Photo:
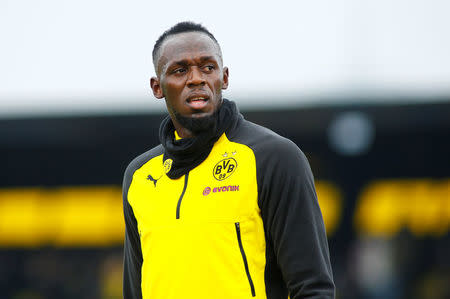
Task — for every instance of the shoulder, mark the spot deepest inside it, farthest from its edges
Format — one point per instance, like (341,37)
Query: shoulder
(140,160)
(279,161)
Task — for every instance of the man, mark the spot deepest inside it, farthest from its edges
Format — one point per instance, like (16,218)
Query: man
(222,208)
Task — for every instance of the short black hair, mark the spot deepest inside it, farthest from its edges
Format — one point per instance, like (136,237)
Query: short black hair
(180,27)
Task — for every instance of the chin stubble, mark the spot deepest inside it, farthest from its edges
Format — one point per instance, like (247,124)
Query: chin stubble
(197,125)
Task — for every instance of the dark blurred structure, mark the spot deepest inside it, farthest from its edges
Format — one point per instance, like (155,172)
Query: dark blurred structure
(388,215)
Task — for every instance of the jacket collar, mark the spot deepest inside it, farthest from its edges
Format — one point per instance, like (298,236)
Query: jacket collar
(183,155)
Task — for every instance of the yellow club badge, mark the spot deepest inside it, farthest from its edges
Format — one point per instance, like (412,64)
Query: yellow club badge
(224,169)
(168,165)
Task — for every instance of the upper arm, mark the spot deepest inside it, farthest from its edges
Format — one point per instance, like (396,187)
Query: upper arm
(132,246)
(293,220)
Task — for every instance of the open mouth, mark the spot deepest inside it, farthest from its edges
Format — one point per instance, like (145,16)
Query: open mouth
(197,102)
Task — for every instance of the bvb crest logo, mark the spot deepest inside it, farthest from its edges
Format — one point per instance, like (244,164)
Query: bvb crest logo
(168,165)
(224,169)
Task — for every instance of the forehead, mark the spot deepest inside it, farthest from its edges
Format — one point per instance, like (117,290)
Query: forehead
(188,45)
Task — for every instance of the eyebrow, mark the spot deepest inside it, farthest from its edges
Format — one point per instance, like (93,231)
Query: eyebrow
(185,62)
(206,58)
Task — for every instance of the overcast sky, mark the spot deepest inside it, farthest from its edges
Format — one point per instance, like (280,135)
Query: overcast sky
(85,56)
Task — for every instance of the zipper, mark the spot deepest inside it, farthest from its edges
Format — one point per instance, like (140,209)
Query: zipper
(182,194)
(244,258)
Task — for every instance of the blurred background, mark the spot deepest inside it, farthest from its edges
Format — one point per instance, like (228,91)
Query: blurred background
(362,87)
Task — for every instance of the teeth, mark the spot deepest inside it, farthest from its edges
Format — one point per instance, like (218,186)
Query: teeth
(198,99)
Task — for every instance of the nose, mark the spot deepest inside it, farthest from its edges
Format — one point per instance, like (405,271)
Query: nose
(195,77)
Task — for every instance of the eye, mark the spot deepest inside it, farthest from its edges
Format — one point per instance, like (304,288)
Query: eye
(179,71)
(209,67)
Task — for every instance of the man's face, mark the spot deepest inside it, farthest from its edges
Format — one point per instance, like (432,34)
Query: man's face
(190,76)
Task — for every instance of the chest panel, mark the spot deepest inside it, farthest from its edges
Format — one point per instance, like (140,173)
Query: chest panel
(222,188)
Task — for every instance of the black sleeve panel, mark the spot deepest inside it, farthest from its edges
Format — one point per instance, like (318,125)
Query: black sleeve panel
(132,262)
(293,224)
(132,247)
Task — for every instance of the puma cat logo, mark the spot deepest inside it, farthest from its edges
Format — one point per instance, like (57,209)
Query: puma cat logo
(150,178)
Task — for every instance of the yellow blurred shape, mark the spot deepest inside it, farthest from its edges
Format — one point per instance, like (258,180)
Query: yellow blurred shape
(420,205)
(330,201)
(71,216)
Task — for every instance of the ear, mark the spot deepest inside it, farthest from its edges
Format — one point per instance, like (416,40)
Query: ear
(225,78)
(156,87)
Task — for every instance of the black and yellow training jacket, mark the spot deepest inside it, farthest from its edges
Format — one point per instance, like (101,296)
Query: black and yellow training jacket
(243,222)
